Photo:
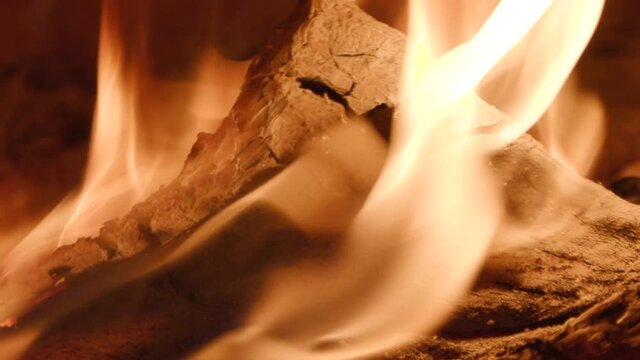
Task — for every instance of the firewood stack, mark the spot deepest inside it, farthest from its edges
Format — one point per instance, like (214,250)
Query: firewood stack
(571,292)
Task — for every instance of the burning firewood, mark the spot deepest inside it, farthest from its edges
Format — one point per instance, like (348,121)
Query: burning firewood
(332,62)
(552,298)
(300,71)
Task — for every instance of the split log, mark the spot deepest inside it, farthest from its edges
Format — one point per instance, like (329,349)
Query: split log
(336,65)
(549,298)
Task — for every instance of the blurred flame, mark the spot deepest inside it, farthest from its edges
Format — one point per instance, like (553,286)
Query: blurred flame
(142,130)
(527,80)
(574,127)
(422,235)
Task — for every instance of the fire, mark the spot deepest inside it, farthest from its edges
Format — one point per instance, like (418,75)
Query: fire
(423,233)
(530,76)
(137,142)
(573,128)
(424,230)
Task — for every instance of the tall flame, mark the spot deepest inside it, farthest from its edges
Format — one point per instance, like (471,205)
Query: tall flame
(529,77)
(142,130)
(573,128)
(426,227)
(422,234)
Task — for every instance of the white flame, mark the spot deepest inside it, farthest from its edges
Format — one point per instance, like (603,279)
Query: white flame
(425,229)
(142,131)
(529,78)
(422,234)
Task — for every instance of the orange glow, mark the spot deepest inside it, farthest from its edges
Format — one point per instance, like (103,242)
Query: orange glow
(428,223)
(142,131)
(413,246)
(574,127)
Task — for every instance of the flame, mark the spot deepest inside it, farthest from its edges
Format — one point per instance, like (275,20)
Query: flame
(529,77)
(142,130)
(429,221)
(573,129)
(422,234)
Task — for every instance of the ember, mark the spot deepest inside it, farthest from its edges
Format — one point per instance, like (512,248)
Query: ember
(365,190)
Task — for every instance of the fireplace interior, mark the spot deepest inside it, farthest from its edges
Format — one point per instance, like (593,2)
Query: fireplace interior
(183,269)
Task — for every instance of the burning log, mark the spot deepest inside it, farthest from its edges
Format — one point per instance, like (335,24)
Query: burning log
(305,82)
(549,298)
(608,329)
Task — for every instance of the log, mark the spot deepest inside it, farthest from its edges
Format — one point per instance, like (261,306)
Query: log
(549,298)
(553,297)
(607,330)
(333,67)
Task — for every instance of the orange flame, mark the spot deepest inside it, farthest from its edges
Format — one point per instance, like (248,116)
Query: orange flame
(427,225)
(142,131)
(573,128)
(429,221)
